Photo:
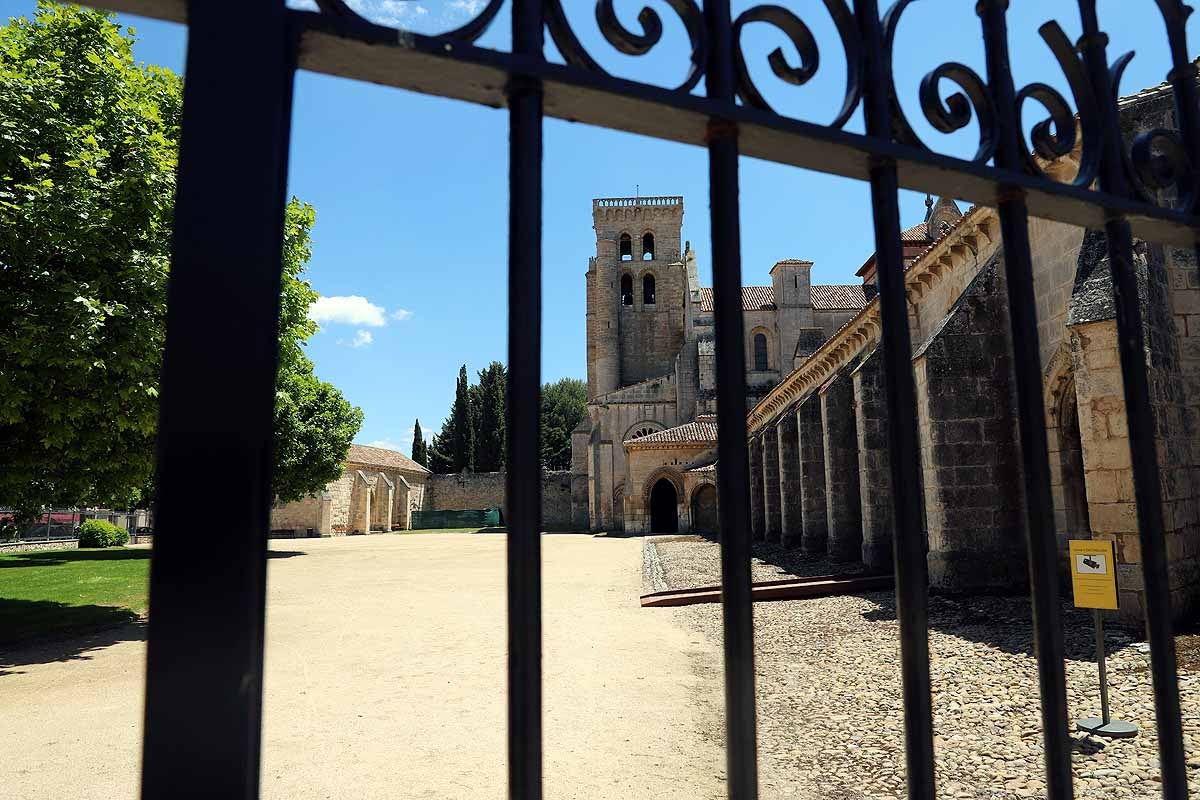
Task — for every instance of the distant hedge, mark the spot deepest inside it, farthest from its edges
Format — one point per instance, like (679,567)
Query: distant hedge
(98,533)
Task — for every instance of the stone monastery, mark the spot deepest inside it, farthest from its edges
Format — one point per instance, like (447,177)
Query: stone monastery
(643,458)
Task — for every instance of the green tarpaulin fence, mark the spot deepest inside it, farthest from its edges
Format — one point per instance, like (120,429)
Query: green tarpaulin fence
(475,518)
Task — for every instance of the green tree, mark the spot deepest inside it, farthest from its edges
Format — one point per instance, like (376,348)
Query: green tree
(461,441)
(420,452)
(489,415)
(564,404)
(88,144)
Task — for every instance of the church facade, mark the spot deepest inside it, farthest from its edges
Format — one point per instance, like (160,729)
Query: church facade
(644,458)
(649,438)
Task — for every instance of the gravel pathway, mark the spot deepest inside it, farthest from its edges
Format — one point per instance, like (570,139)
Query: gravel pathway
(830,714)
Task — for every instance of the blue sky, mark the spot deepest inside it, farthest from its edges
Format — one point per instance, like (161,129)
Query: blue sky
(410,242)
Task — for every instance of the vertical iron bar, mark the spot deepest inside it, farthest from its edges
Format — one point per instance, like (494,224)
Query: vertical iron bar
(912,571)
(523,485)
(1031,415)
(1146,481)
(1183,77)
(204,661)
(733,468)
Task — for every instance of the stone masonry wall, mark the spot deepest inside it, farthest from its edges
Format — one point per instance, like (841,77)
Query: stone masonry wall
(842,504)
(771,517)
(814,538)
(968,443)
(874,463)
(472,490)
(790,511)
(758,520)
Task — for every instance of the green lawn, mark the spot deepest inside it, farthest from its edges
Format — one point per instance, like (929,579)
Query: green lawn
(60,592)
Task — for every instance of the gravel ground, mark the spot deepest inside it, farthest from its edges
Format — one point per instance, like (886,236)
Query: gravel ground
(830,714)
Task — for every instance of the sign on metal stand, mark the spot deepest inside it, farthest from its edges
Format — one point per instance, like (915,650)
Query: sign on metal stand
(1094,582)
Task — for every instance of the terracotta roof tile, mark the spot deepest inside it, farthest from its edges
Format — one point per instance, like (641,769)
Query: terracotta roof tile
(755,298)
(826,297)
(916,234)
(702,431)
(379,457)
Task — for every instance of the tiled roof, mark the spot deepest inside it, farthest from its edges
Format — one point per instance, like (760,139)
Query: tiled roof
(753,298)
(703,430)
(379,457)
(823,297)
(916,234)
(829,297)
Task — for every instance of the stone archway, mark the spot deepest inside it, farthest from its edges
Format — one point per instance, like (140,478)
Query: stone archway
(704,509)
(664,507)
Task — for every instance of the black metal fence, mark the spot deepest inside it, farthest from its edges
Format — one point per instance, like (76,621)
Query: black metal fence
(203,693)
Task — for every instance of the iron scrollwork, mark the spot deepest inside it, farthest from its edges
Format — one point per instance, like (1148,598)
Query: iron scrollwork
(946,116)
(626,41)
(801,37)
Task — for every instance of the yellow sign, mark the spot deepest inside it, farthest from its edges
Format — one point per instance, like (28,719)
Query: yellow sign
(1093,573)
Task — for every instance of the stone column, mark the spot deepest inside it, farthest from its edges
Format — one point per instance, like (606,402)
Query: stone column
(790,519)
(968,445)
(757,512)
(843,508)
(811,441)
(772,523)
(874,463)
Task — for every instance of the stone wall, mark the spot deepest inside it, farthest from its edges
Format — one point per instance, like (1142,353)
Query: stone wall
(969,451)
(467,491)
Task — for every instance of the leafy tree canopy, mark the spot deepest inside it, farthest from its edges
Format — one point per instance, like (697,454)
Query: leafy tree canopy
(88,144)
(564,404)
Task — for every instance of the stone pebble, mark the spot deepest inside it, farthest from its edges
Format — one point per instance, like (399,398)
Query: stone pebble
(830,714)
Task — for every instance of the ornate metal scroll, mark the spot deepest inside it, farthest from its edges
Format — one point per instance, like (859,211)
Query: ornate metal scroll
(625,40)
(949,115)
(806,46)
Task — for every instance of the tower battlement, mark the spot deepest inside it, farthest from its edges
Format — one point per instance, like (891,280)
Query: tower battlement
(617,202)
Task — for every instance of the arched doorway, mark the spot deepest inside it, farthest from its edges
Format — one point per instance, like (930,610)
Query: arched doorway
(664,507)
(704,509)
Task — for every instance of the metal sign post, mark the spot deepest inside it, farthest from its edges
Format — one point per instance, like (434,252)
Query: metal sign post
(1094,581)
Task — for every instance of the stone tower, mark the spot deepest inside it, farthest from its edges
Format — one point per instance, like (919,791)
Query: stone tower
(636,290)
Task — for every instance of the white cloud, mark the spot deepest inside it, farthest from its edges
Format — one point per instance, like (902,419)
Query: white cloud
(349,309)
(401,13)
(401,314)
(362,338)
(388,444)
(471,7)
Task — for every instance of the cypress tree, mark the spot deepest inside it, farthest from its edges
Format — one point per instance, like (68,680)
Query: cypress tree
(419,452)
(489,419)
(461,445)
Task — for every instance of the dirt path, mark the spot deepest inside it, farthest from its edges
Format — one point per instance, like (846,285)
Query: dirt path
(386,678)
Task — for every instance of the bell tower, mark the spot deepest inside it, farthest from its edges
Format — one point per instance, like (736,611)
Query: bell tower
(636,286)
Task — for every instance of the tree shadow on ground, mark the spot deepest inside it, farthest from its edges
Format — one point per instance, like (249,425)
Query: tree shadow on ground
(35,558)
(285,553)
(1004,622)
(78,630)
(1001,621)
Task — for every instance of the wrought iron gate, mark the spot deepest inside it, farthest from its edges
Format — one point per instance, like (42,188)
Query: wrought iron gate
(204,685)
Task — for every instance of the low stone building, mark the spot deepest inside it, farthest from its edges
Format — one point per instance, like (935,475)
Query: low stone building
(672,478)
(377,491)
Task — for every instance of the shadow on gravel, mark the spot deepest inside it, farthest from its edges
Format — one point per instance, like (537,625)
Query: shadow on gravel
(106,626)
(1005,623)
